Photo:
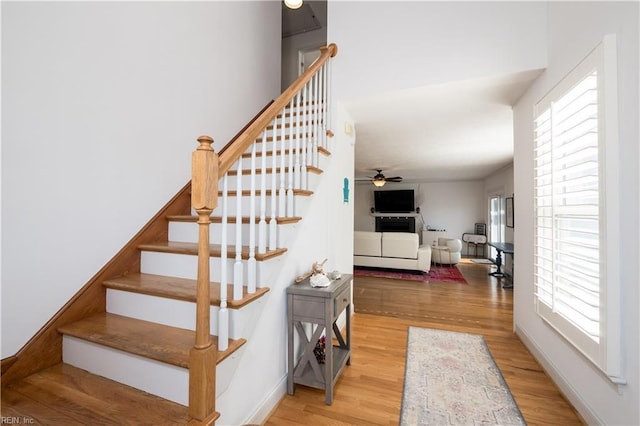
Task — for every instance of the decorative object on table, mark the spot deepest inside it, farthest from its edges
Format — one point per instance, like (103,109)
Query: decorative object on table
(451,378)
(317,276)
(319,350)
(335,275)
(437,274)
(319,280)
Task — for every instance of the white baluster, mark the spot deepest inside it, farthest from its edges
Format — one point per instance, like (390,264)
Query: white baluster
(251,263)
(290,174)
(329,96)
(316,124)
(262,225)
(304,184)
(223,313)
(237,267)
(321,117)
(282,194)
(274,196)
(325,117)
(298,133)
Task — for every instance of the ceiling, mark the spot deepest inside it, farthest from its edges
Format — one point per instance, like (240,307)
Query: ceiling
(449,132)
(312,15)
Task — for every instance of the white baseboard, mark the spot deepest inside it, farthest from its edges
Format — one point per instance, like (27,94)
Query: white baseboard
(266,406)
(563,384)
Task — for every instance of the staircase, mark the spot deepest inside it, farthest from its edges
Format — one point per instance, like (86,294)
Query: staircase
(167,322)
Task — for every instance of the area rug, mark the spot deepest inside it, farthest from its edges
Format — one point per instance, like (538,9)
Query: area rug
(437,274)
(451,379)
(482,261)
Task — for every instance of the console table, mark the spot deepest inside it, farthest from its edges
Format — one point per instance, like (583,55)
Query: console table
(506,248)
(319,307)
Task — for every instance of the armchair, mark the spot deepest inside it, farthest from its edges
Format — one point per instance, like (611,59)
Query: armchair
(447,252)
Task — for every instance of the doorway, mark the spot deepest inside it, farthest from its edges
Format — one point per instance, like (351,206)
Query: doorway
(306,58)
(496,222)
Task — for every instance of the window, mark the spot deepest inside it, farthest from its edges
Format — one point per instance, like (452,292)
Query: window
(575,190)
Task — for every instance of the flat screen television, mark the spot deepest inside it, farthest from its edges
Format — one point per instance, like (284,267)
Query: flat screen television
(394,201)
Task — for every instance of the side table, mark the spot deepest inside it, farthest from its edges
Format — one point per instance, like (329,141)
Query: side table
(319,306)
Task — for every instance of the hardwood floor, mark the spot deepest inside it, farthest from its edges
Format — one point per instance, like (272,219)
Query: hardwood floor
(370,389)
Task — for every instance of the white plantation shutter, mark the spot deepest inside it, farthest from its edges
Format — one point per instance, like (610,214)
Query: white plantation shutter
(575,272)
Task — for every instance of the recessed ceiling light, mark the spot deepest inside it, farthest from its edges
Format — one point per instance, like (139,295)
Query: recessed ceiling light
(293,4)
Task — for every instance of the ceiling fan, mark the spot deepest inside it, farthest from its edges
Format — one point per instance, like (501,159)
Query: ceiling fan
(379,179)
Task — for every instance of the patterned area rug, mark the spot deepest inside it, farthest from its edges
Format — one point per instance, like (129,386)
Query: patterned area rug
(451,379)
(437,274)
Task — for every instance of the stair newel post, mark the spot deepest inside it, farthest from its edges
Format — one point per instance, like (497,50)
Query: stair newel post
(202,357)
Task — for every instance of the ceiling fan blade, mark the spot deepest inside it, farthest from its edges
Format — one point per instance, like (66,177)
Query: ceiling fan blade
(394,179)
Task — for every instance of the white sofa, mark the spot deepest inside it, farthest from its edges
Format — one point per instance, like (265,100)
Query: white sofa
(398,250)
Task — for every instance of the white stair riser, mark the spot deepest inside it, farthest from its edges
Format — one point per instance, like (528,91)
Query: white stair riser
(188,232)
(185,266)
(175,313)
(178,313)
(157,378)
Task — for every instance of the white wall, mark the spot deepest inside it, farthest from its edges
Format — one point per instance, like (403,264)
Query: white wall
(102,103)
(393,45)
(574,29)
(453,206)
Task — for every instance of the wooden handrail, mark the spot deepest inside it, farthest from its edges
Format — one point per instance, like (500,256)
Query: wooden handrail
(244,140)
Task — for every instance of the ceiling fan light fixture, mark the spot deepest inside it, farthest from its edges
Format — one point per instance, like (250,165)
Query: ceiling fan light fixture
(293,4)
(379,182)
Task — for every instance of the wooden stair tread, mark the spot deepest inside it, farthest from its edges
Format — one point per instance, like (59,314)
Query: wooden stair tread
(66,395)
(178,288)
(269,170)
(231,219)
(214,250)
(246,192)
(159,342)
